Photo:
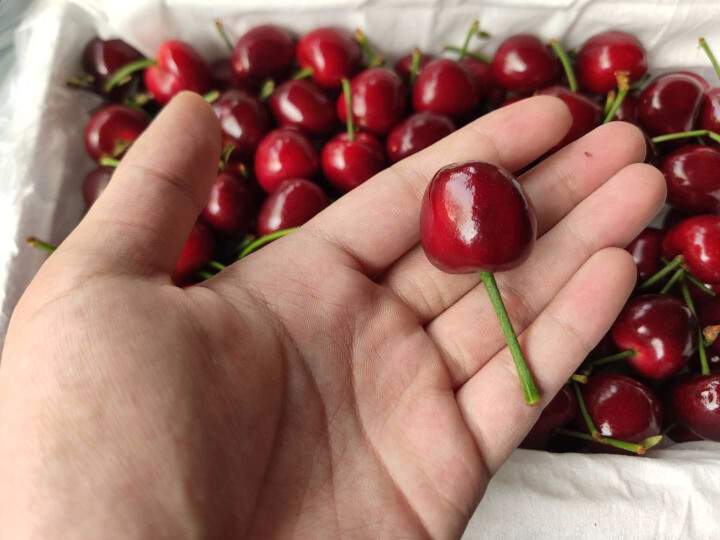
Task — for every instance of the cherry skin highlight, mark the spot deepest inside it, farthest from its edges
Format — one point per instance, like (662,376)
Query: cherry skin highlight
(604,54)
(243,120)
(305,105)
(111,126)
(293,203)
(646,250)
(231,206)
(333,54)
(696,401)
(416,132)
(347,164)
(670,104)
(263,52)
(692,174)
(179,67)
(710,112)
(524,64)
(378,100)
(445,87)
(697,239)
(284,153)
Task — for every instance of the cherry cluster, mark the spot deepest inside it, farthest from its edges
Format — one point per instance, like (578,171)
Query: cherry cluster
(305,121)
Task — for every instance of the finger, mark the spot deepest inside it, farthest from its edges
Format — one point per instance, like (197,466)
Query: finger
(141,222)
(611,217)
(555,344)
(378,221)
(555,186)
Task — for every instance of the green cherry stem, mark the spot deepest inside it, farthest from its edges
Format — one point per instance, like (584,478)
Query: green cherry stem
(702,353)
(348,109)
(225,155)
(530,390)
(128,69)
(374,59)
(303,74)
(469,54)
(255,244)
(640,82)
(471,32)
(223,34)
(594,433)
(579,377)
(677,276)
(39,244)
(684,134)
(622,78)
(266,90)
(711,56)
(630,353)
(630,447)
(700,285)
(611,95)
(686,296)
(205,274)
(669,267)
(217,265)
(414,66)
(567,66)
(211,96)
(107,161)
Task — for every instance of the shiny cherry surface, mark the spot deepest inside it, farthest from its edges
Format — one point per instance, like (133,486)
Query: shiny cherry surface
(243,120)
(670,104)
(562,410)
(333,54)
(231,206)
(692,174)
(179,67)
(524,64)
(305,105)
(403,67)
(378,100)
(601,56)
(101,58)
(198,251)
(476,216)
(95,183)
(696,401)
(416,132)
(111,126)
(347,164)
(661,330)
(293,203)
(284,153)
(710,112)
(445,87)
(646,251)
(263,52)
(586,114)
(489,91)
(697,239)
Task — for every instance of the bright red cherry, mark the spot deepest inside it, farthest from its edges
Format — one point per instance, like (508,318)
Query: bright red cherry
(476,216)
(692,174)
(198,251)
(697,404)
(661,330)
(488,89)
(179,67)
(231,206)
(698,240)
(404,65)
(604,54)
(293,203)
(445,87)
(333,54)
(243,120)
(416,132)
(111,130)
(95,183)
(101,58)
(562,410)
(646,250)
(348,163)
(263,52)
(305,105)
(378,100)
(284,153)
(524,64)
(622,408)
(670,104)
(586,114)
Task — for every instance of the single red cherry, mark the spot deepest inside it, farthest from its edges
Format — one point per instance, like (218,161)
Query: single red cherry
(330,54)
(604,54)
(111,130)
(562,410)
(403,67)
(445,87)
(198,251)
(263,52)
(305,105)
(476,216)
(378,100)
(661,330)
(284,153)
(697,404)
(243,120)
(348,162)
(692,174)
(416,132)
(670,104)
(179,67)
(586,114)
(646,250)
(101,58)
(489,91)
(524,64)
(698,240)
(95,183)
(231,206)
(622,408)
(710,112)
(293,203)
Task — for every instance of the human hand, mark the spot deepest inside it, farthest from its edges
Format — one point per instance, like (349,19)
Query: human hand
(333,384)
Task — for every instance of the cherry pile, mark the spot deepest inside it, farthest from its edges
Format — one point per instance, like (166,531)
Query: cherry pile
(305,121)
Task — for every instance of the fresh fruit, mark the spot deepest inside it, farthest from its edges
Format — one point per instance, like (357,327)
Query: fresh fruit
(403,67)
(112,129)
(303,104)
(445,87)
(692,174)
(562,410)
(329,55)
(697,239)
(604,54)
(670,104)
(95,183)
(179,67)
(697,405)
(348,162)
(586,114)
(524,64)
(263,52)
(646,250)
(101,58)
(243,120)
(416,132)
(231,206)
(198,251)
(378,100)
(293,203)
(284,153)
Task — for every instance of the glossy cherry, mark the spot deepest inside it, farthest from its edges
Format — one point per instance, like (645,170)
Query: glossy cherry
(670,104)
(378,100)
(348,163)
(710,112)
(224,77)
(231,206)
(101,58)
(586,114)
(661,330)
(697,239)
(416,132)
(489,91)
(476,216)
(243,120)
(692,174)
(263,52)
(293,203)
(524,64)
(562,410)
(445,87)
(179,67)
(646,250)
(95,183)
(403,67)
(284,153)
(332,54)
(111,129)
(697,405)
(198,251)
(305,105)
(601,56)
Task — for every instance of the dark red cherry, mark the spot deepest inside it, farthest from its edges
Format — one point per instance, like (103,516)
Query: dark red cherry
(562,410)
(198,251)
(111,130)
(346,164)
(404,65)
(333,54)
(646,250)
(284,153)
(378,100)
(510,101)
(670,104)
(652,156)
(231,206)
(698,240)
(293,203)
(679,434)
(697,404)
(243,120)
(586,114)
(95,183)
(524,64)
(416,132)
(661,330)
(179,67)
(101,58)
(692,174)
(445,87)
(709,314)
(488,89)
(263,52)
(628,108)
(601,56)
(701,298)
(305,105)
(710,112)
(622,408)
(224,77)
(476,216)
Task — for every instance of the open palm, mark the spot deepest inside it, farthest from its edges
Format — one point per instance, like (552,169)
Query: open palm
(333,384)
